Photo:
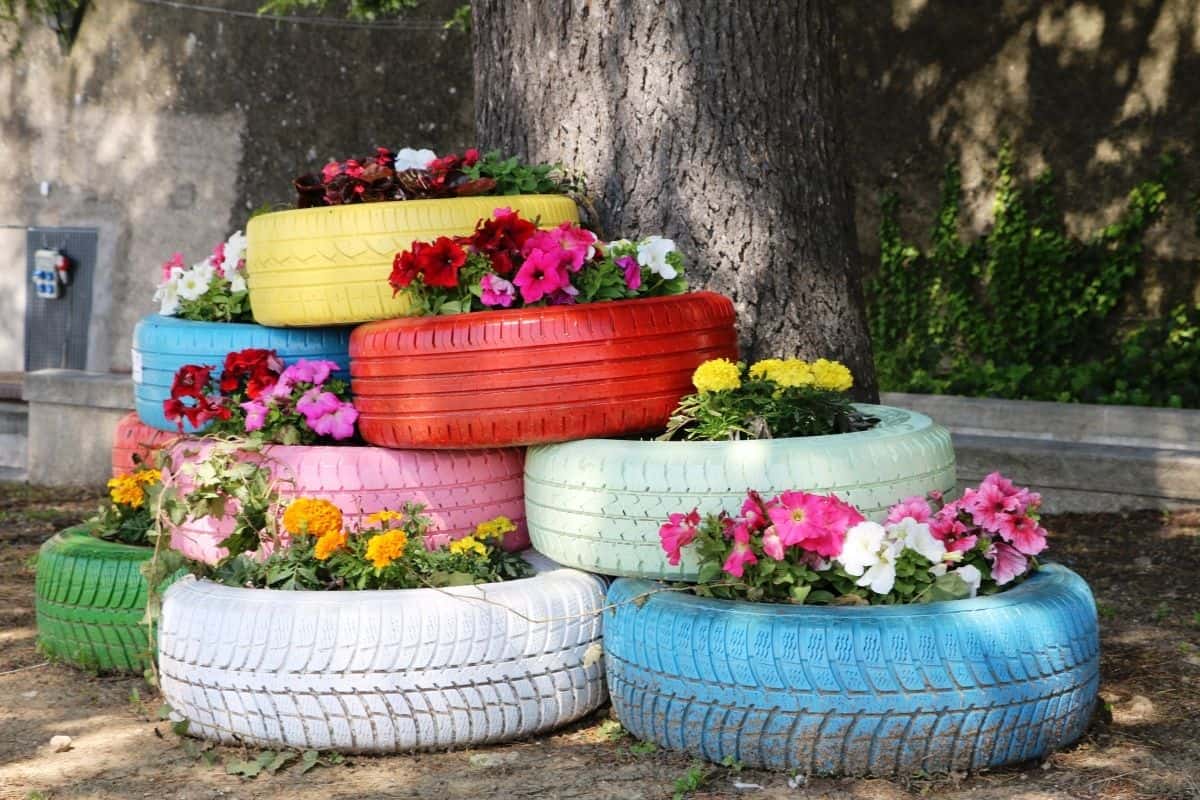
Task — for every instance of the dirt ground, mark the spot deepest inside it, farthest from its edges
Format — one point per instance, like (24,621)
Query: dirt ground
(1144,743)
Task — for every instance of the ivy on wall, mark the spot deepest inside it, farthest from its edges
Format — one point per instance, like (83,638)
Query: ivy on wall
(1026,310)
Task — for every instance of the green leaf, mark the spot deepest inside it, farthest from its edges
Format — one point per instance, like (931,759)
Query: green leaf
(709,572)
(180,728)
(308,760)
(946,587)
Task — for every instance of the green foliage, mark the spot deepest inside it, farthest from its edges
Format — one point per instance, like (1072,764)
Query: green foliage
(1023,311)
(691,781)
(363,10)
(512,176)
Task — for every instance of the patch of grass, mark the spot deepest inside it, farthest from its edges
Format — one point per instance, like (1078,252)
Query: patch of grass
(1106,611)
(1161,612)
(691,781)
(643,748)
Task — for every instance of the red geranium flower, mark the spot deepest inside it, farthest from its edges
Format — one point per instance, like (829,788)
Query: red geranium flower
(191,381)
(440,262)
(470,157)
(259,369)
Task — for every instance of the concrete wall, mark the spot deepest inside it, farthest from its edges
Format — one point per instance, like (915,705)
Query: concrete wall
(163,127)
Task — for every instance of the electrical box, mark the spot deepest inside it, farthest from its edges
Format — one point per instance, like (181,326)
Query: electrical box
(60,263)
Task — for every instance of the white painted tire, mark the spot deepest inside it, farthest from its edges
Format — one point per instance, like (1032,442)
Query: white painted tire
(384,671)
(597,504)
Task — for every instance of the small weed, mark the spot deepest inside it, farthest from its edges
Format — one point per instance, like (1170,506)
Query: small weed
(692,780)
(36,795)
(1106,611)
(1196,619)
(732,764)
(1161,612)
(612,730)
(643,748)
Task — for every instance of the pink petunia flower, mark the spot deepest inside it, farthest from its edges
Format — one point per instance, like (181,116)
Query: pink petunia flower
(217,259)
(574,245)
(632,270)
(1007,563)
(338,423)
(173,263)
(316,404)
(754,511)
(496,291)
(256,414)
(541,275)
(742,555)
(677,533)
(772,544)
(563,297)
(915,507)
(1025,534)
(813,522)
(305,371)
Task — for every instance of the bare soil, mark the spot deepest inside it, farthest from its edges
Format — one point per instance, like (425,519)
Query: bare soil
(1144,743)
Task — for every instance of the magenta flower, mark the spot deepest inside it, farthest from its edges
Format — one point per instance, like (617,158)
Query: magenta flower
(914,507)
(754,512)
(950,530)
(772,544)
(338,424)
(174,262)
(1025,534)
(742,555)
(217,259)
(496,291)
(541,275)
(813,522)
(633,272)
(1007,562)
(563,297)
(305,371)
(256,414)
(677,533)
(315,404)
(574,245)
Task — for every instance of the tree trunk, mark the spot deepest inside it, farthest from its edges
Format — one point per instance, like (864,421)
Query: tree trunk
(712,122)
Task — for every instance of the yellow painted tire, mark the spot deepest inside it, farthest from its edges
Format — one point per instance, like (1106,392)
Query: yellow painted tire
(330,265)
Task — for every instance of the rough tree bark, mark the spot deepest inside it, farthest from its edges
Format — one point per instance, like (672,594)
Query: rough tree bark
(714,122)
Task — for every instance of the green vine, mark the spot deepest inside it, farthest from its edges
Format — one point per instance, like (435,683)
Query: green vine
(1027,310)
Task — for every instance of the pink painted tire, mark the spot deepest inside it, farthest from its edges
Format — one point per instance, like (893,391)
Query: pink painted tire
(459,488)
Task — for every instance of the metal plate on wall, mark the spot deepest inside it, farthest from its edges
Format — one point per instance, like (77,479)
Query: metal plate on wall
(56,330)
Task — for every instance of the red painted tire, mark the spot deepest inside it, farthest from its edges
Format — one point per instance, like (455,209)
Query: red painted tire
(534,376)
(135,438)
(459,489)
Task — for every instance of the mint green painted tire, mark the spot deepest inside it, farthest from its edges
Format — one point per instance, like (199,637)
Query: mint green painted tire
(597,504)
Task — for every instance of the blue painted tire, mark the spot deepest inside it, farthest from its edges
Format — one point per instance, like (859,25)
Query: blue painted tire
(161,345)
(883,691)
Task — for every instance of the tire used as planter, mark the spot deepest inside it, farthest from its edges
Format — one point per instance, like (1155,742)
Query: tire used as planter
(134,438)
(330,265)
(161,345)
(535,375)
(597,504)
(384,671)
(90,600)
(876,690)
(459,489)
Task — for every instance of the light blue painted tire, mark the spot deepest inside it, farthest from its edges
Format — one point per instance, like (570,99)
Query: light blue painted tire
(161,345)
(597,504)
(885,691)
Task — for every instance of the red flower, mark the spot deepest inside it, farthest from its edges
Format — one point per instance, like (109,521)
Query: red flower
(191,381)
(440,262)
(259,369)
(404,268)
(384,157)
(470,157)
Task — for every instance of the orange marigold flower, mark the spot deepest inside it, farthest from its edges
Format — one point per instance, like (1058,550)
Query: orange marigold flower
(385,548)
(312,516)
(329,544)
(384,516)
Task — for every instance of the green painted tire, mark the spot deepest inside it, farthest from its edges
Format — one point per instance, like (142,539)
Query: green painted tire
(91,597)
(597,504)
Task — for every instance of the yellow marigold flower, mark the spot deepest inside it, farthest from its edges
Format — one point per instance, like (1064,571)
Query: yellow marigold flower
(312,516)
(385,548)
(385,516)
(148,476)
(765,368)
(717,375)
(468,544)
(126,490)
(494,528)
(329,544)
(832,375)
(793,372)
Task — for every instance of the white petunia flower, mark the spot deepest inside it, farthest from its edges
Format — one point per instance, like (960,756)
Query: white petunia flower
(652,253)
(409,158)
(204,272)
(167,296)
(191,285)
(237,283)
(880,578)
(235,251)
(972,576)
(861,547)
(916,536)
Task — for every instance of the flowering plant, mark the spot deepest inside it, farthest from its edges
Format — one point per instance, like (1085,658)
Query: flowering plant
(126,516)
(508,263)
(420,174)
(213,290)
(317,552)
(775,398)
(257,396)
(800,547)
